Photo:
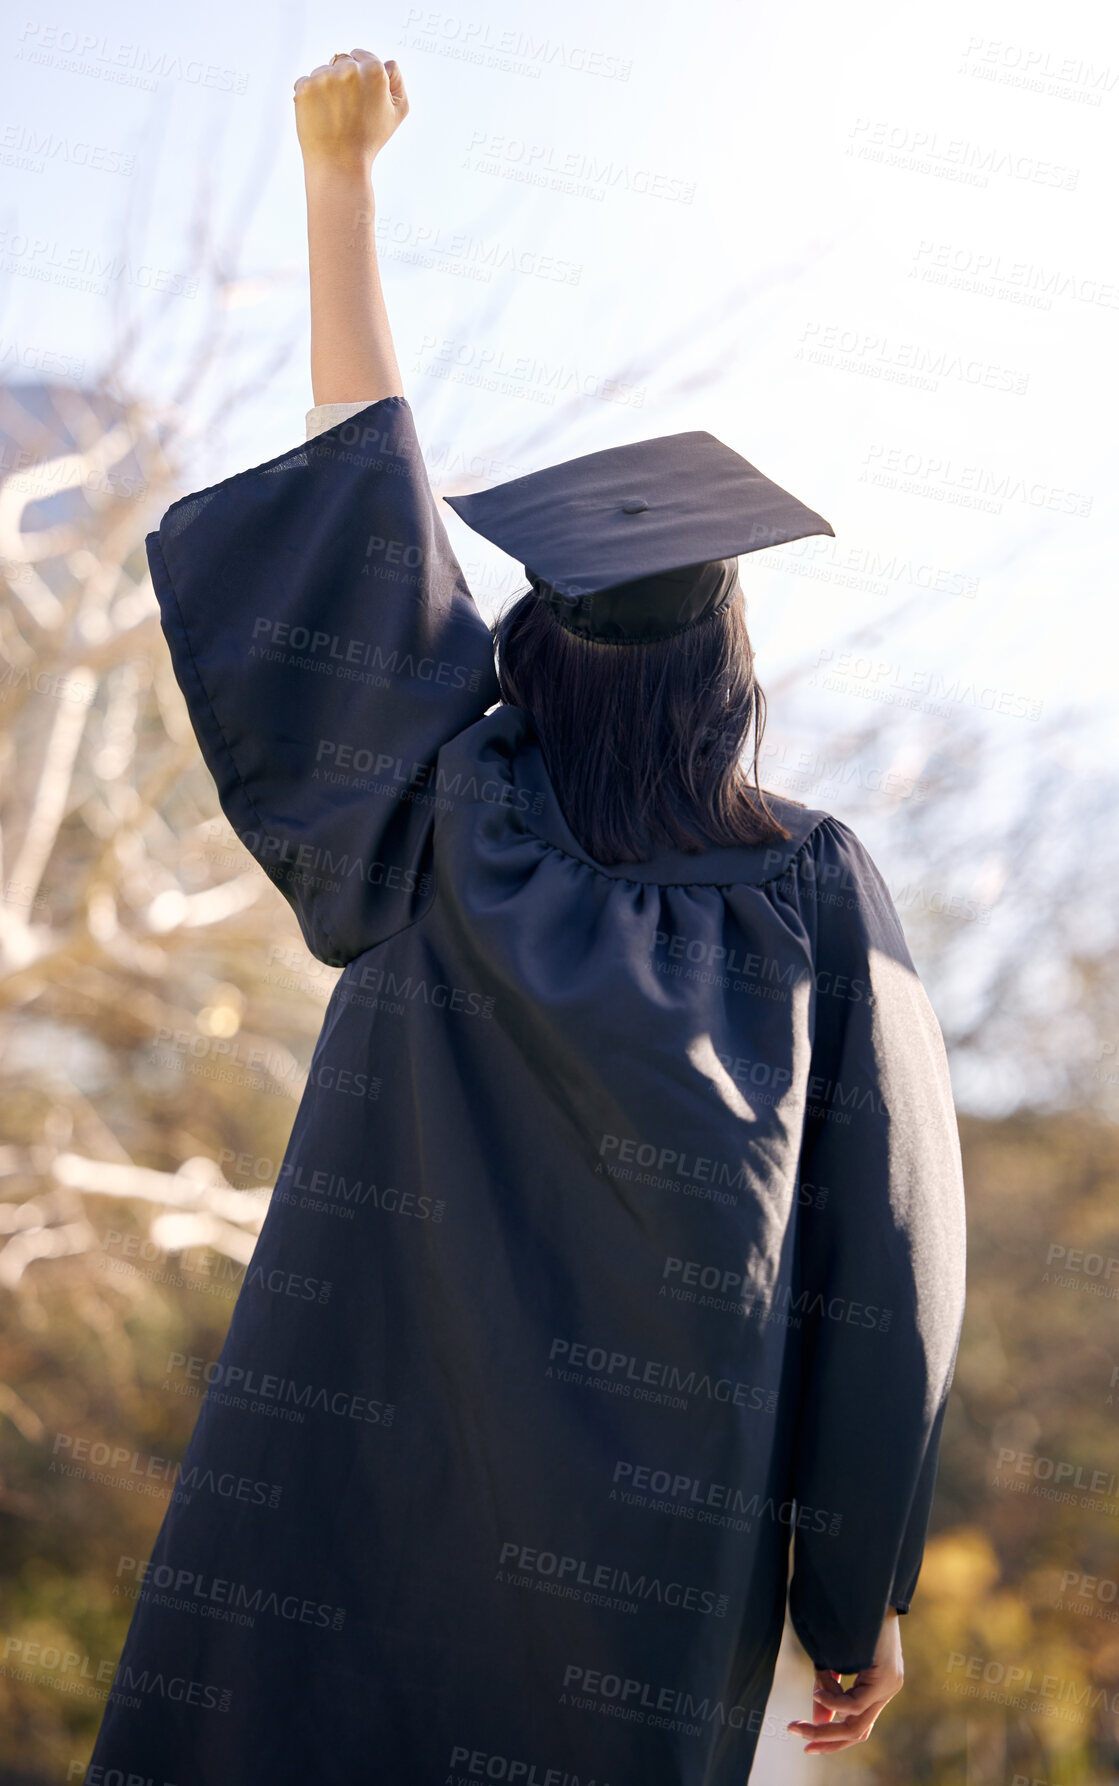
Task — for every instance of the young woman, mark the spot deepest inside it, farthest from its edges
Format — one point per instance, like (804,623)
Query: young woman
(616,1260)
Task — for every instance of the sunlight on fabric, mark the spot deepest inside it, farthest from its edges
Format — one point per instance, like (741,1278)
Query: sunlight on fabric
(702,1055)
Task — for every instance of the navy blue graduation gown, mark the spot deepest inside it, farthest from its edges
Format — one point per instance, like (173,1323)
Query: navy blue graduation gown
(616,1260)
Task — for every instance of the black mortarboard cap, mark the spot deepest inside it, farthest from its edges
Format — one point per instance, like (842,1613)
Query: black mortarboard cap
(624,542)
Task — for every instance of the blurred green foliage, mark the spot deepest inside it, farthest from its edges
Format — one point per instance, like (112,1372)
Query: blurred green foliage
(87,1338)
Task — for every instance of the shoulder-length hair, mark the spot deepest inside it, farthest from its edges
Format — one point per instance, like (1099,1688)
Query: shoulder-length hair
(645,745)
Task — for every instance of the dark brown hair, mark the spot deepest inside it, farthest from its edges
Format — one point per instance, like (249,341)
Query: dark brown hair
(644,744)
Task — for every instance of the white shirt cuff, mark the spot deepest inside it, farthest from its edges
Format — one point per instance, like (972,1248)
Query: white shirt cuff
(328,415)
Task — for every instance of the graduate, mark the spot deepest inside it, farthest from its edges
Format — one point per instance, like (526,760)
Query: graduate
(609,1294)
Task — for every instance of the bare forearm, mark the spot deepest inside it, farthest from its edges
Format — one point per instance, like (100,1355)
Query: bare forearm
(345,112)
(352,354)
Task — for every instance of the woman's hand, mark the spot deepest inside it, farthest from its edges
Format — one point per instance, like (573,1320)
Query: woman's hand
(840,1718)
(346,110)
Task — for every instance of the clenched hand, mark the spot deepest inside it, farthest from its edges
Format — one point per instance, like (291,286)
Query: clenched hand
(346,109)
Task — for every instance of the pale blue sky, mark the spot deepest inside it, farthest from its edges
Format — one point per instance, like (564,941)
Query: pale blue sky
(865,246)
(652,195)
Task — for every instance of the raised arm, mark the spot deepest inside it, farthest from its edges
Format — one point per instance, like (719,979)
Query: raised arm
(345,112)
(320,627)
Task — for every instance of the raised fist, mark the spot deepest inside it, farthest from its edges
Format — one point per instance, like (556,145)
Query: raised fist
(346,109)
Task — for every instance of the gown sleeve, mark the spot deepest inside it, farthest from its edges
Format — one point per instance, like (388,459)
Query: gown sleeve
(878,1265)
(327,646)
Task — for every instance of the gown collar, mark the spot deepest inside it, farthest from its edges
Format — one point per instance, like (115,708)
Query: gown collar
(505,737)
